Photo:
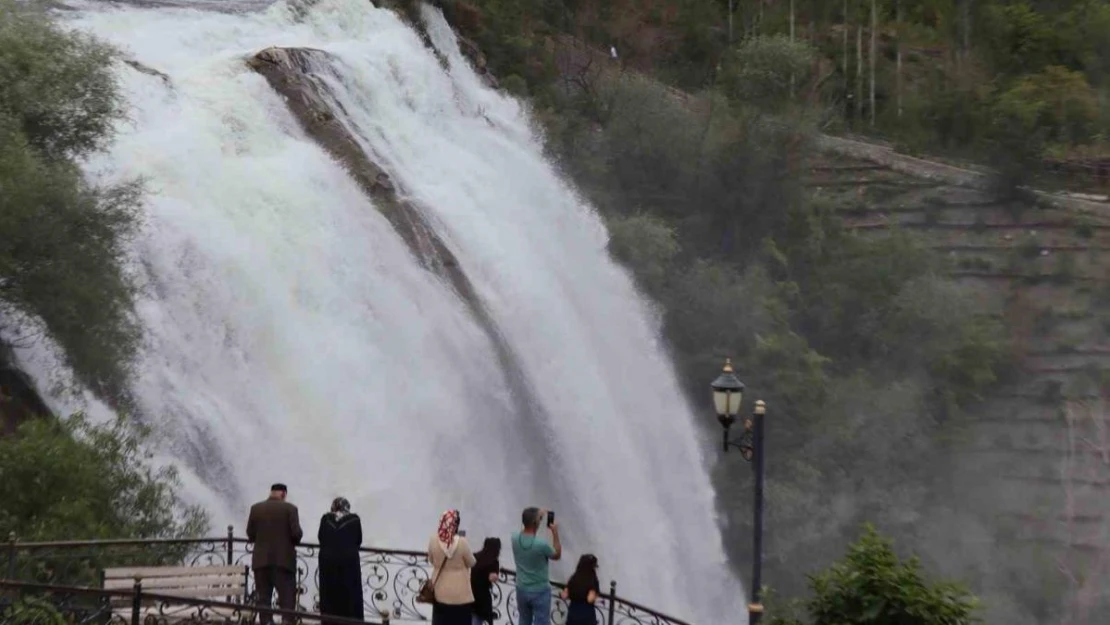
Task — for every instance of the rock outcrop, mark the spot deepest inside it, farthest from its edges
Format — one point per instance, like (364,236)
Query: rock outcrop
(150,71)
(293,73)
(19,401)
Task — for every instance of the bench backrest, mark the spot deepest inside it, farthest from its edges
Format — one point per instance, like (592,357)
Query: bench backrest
(181,581)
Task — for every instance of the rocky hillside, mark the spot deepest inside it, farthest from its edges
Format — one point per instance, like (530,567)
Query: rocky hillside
(1035,454)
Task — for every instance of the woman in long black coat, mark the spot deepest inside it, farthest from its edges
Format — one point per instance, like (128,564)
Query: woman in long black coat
(340,537)
(483,575)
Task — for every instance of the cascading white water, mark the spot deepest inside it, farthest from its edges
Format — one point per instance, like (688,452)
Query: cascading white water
(294,337)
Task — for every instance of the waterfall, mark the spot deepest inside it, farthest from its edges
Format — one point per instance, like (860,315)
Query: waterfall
(293,336)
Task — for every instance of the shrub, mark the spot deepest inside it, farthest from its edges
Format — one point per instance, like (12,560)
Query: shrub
(67,479)
(767,71)
(873,586)
(645,244)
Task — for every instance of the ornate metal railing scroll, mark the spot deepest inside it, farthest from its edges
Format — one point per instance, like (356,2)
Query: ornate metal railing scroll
(391,578)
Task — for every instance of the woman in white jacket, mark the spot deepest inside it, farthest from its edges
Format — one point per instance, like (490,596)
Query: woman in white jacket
(451,560)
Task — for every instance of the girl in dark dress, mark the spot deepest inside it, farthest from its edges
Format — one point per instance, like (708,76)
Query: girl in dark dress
(582,591)
(482,576)
(340,537)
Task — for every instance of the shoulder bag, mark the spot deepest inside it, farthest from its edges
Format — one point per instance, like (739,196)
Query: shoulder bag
(427,592)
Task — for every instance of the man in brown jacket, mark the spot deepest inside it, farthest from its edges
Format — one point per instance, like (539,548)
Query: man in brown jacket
(275,529)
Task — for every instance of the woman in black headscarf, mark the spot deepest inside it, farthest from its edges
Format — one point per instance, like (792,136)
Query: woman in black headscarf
(340,537)
(486,568)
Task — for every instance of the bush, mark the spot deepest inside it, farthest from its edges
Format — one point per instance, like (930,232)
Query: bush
(872,586)
(767,71)
(645,244)
(70,479)
(33,610)
(62,241)
(942,330)
(651,141)
(1056,105)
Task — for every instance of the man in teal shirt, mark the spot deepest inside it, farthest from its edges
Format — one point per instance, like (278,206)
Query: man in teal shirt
(533,579)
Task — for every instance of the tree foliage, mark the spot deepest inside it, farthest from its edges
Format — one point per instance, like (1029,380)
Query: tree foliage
(871,585)
(946,72)
(58,85)
(62,266)
(766,70)
(66,479)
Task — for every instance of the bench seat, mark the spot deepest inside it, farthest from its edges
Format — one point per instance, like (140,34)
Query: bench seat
(212,583)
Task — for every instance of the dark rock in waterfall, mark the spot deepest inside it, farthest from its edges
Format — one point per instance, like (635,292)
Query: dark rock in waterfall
(19,401)
(473,53)
(150,71)
(295,74)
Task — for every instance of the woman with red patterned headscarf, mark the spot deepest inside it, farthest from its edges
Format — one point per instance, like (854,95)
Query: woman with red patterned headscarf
(451,560)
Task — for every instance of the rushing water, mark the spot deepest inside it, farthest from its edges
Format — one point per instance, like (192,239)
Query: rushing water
(293,337)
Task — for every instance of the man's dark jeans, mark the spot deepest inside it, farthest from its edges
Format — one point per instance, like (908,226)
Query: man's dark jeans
(270,578)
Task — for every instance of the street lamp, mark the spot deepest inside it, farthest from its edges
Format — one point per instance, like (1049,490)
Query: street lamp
(728,392)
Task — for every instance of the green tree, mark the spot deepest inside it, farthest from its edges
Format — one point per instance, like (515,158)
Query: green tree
(871,585)
(647,244)
(1057,104)
(62,239)
(1021,39)
(71,479)
(765,71)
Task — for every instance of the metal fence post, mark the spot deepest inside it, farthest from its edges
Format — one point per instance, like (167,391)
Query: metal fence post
(137,600)
(230,544)
(11,555)
(612,601)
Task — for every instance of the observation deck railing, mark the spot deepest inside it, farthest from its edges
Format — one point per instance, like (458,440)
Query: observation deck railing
(24,603)
(391,578)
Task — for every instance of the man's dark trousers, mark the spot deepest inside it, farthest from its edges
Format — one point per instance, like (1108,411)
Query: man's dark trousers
(270,578)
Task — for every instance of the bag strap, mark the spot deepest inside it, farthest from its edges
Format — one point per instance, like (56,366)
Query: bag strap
(446,559)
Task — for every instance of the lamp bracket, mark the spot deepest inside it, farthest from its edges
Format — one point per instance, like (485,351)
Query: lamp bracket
(745,443)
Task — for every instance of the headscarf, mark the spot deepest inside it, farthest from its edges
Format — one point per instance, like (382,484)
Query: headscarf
(448,532)
(340,507)
(487,559)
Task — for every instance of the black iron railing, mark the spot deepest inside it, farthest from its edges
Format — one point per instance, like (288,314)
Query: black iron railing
(25,603)
(391,578)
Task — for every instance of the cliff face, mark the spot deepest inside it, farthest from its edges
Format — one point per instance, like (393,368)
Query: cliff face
(1032,460)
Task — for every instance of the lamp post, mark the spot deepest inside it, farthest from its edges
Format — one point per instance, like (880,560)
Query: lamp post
(728,392)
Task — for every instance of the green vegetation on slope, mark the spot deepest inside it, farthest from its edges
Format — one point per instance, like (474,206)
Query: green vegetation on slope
(62,275)
(61,238)
(868,357)
(872,586)
(70,479)
(1012,82)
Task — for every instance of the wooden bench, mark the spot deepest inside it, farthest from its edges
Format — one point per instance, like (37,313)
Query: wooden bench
(213,583)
